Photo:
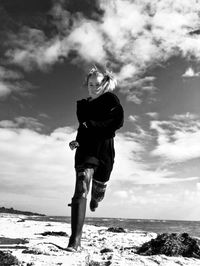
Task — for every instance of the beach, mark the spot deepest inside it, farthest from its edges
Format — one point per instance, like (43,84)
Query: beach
(43,243)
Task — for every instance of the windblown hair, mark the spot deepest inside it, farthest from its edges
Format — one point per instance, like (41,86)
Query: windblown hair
(108,80)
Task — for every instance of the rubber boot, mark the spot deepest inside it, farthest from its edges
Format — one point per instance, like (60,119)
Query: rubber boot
(78,207)
(97,194)
(77,220)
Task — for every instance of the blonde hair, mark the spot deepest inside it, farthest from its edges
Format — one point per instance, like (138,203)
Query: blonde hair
(108,81)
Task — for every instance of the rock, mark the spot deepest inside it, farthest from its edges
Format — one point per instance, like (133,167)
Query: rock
(32,251)
(7,259)
(171,245)
(21,221)
(48,225)
(94,263)
(105,250)
(9,241)
(13,211)
(51,233)
(97,263)
(116,230)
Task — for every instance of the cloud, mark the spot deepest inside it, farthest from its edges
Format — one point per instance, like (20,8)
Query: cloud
(130,163)
(35,159)
(4,89)
(190,73)
(155,201)
(8,74)
(22,122)
(133,118)
(89,35)
(177,140)
(121,194)
(143,87)
(186,117)
(37,166)
(130,37)
(12,82)
(32,49)
(154,115)
(6,80)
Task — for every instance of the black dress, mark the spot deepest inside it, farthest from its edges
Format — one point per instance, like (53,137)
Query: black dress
(103,116)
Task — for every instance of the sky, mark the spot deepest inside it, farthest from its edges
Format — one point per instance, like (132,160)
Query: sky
(153,48)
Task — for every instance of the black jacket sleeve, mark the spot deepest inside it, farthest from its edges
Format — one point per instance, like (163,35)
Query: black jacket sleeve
(114,121)
(114,118)
(82,110)
(101,120)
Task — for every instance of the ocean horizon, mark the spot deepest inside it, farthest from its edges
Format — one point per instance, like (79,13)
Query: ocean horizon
(158,226)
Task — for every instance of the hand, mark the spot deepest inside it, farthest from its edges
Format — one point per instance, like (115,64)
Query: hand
(84,124)
(73,144)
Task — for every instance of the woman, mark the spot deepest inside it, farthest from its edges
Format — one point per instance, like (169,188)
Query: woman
(99,117)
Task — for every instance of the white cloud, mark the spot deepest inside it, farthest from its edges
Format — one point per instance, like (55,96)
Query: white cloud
(139,88)
(161,201)
(177,140)
(189,73)
(7,74)
(198,186)
(154,115)
(34,50)
(34,163)
(4,89)
(22,122)
(87,37)
(133,118)
(36,167)
(12,82)
(8,124)
(130,165)
(186,117)
(121,194)
(29,123)
(131,36)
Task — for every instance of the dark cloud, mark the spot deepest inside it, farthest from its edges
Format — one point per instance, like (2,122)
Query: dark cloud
(37,13)
(89,8)
(19,6)
(19,13)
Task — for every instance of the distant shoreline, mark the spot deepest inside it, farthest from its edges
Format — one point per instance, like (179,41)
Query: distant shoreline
(13,211)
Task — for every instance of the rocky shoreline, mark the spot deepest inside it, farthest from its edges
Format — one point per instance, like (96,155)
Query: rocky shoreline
(42,243)
(13,211)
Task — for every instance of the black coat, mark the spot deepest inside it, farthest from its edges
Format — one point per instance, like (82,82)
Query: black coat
(98,120)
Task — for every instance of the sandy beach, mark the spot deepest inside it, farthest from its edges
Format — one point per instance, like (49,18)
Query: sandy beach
(42,243)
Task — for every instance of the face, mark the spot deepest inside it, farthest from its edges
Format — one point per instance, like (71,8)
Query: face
(94,87)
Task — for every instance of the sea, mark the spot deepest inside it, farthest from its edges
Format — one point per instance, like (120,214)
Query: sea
(149,225)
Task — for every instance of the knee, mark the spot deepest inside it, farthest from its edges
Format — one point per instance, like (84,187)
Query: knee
(83,178)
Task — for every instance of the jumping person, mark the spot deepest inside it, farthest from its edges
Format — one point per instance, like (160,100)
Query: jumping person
(99,116)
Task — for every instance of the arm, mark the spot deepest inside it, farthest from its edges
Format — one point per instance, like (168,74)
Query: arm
(82,110)
(114,120)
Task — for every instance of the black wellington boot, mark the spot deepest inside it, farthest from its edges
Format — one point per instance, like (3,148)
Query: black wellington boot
(97,194)
(77,220)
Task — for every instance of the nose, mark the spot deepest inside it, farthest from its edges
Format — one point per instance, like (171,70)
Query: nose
(94,87)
